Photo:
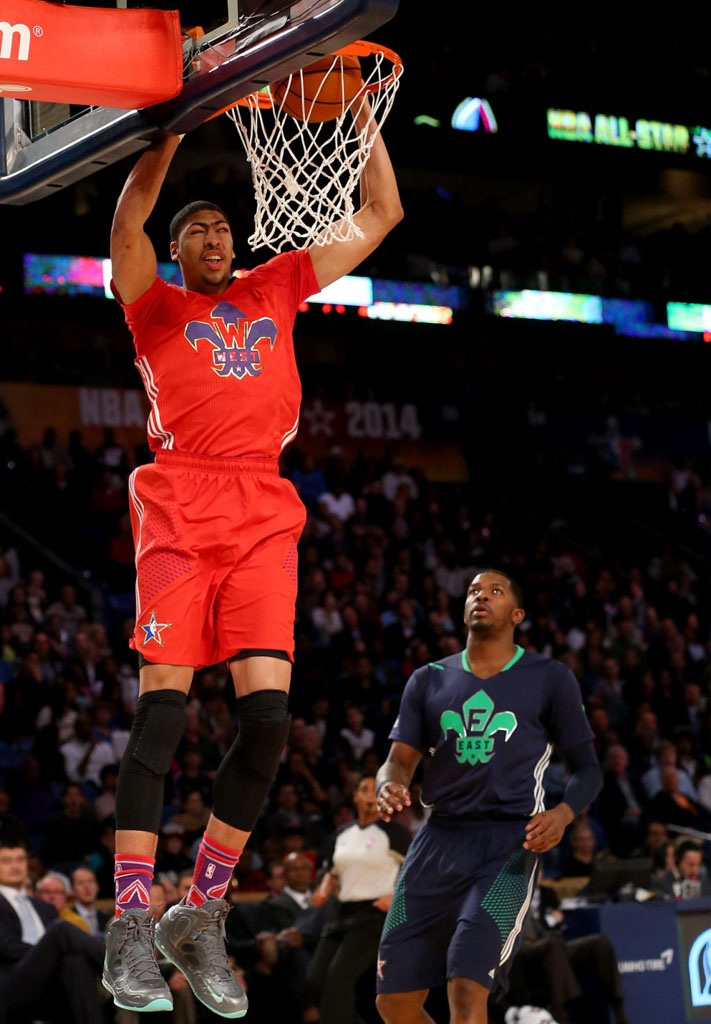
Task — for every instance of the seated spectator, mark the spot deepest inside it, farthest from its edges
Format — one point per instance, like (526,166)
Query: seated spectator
(276,938)
(309,481)
(196,734)
(73,833)
(656,835)
(56,889)
(688,879)
(652,778)
(327,619)
(84,755)
(673,808)
(248,874)
(395,478)
(106,727)
(311,793)
(105,803)
(311,746)
(356,734)
(337,502)
(85,890)
(342,575)
(550,967)
(695,714)
(101,859)
(644,743)
(610,688)
(68,610)
(49,969)
(620,803)
(579,863)
(288,814)
(192,778)
(171,854)
(168,879)
(688,755)
(193,816)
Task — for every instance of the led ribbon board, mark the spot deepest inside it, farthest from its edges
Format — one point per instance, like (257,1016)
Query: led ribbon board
(407,301)
(631,318)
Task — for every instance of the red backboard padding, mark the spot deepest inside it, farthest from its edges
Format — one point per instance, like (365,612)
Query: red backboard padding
(89,56)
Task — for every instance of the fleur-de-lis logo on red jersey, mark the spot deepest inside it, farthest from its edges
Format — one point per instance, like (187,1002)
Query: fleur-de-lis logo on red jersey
(235,341)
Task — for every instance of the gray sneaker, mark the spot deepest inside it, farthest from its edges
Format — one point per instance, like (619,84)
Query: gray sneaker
(130,970)
(193,938)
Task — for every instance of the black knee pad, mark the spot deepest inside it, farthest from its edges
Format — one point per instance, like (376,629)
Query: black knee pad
(245,775)
(157,727)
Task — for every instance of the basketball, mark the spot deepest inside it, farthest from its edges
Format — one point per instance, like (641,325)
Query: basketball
(322,91)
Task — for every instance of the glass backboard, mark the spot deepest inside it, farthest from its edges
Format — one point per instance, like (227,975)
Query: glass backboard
(245,45)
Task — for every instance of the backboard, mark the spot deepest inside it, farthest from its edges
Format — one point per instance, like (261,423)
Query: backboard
(246,45)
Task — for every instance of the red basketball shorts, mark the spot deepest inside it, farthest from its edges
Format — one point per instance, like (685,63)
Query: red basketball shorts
(216,559)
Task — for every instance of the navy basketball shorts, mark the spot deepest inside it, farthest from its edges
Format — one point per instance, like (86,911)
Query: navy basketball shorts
(458,908)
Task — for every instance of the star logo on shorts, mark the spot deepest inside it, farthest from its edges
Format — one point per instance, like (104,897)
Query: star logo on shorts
(381,964)
(154,629)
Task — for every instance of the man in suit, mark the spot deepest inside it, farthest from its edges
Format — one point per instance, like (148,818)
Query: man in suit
(274,941)
(688,879)
(56,889)
(293,903)
(47,967)
(85,888)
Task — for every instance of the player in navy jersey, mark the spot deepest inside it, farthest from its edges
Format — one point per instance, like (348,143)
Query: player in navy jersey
(485,721)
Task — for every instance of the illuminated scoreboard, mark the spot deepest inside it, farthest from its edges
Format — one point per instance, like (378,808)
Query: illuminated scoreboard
(621,132)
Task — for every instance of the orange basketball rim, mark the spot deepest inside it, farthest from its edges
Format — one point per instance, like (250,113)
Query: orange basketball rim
(360,48)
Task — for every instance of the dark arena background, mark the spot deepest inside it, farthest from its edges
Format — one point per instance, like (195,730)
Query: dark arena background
(518,377)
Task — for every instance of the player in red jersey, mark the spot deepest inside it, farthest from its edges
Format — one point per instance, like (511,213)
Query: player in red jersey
(215,530)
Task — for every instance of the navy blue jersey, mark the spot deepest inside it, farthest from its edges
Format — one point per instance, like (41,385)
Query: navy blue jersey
(489,741)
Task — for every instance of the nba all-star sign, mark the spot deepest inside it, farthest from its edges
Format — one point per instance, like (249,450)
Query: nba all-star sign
(617,131)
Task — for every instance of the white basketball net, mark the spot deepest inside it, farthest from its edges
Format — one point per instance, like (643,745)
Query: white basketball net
(305,174)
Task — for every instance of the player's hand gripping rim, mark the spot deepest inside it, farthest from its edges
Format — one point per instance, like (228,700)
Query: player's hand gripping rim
(392,797)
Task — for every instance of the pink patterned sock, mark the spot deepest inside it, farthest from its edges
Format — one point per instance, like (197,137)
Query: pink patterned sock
(213,871)
(133,874)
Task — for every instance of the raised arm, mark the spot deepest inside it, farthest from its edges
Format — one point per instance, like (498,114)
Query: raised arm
(380,211)
(392,783)
(133,259)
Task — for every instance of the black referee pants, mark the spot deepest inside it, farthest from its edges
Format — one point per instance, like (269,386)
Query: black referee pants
(348,947)
(57,979)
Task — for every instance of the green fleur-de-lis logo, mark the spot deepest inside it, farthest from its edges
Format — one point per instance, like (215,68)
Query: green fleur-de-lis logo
(475,728)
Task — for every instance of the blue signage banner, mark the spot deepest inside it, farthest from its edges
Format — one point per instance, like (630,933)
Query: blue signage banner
(644,937)
(663,953)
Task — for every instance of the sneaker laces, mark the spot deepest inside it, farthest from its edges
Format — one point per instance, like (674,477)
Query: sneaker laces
(139,955)
(211,934)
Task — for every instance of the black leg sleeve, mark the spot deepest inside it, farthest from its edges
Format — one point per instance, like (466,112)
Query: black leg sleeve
(157,727)
(245,775)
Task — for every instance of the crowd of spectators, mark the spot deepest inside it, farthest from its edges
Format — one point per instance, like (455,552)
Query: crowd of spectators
(385,560)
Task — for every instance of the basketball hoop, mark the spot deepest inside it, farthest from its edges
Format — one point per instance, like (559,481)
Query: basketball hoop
(305,168)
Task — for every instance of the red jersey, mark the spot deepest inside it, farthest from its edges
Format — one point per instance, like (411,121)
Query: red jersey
(219,370)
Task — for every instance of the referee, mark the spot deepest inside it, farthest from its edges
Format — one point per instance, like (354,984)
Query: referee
(362,867)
